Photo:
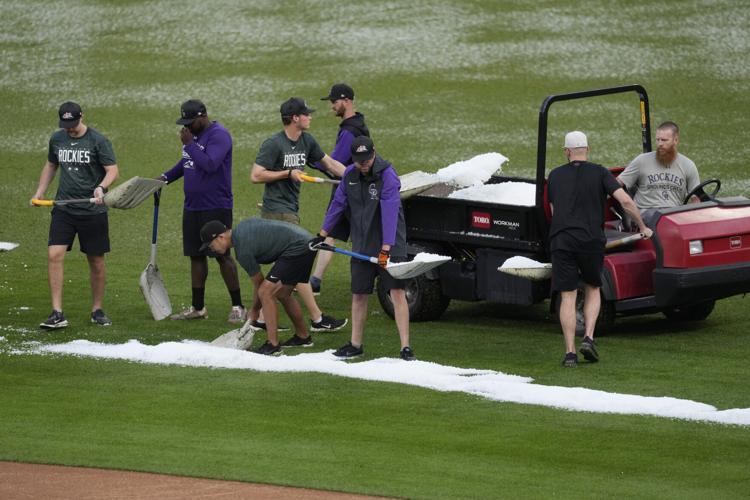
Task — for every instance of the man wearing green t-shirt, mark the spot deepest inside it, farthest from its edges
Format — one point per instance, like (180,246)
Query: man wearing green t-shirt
(88,167)
(279,164)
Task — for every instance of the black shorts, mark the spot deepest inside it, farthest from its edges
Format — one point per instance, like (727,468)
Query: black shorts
(92,231)
(364,274)
(568,267)
(342,228)
(292,269)
(193,221)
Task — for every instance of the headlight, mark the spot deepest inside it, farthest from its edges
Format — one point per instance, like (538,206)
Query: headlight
(696,247)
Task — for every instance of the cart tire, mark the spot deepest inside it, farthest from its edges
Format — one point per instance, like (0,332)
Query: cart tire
(695,312)
(604,322)
(424,296)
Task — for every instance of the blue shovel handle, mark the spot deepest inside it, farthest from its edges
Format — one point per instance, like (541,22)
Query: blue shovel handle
(329,248)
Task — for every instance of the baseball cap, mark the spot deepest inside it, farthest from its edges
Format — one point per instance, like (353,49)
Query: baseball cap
(70,114)
(295,106)
(190,110)
(575,139)
(362,148)
(210,231)
(339,91)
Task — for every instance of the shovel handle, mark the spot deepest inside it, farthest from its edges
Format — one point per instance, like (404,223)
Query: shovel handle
(624,241)
(330,248)
(318,180)
(50,203)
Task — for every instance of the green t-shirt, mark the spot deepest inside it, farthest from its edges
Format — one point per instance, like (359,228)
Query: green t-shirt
(81,163)
(279,153)
(262,241)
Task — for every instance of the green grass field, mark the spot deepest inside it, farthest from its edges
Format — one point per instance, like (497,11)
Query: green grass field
(438,82)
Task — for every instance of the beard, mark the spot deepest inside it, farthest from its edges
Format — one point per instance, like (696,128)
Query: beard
(666,156)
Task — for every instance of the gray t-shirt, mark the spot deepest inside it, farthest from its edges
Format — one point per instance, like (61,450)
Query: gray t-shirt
(81,163)
(262,241)
(279,153)
(660,186)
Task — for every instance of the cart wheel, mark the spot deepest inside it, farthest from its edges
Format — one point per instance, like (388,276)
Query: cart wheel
(604,323)
(694,312)
(424,297)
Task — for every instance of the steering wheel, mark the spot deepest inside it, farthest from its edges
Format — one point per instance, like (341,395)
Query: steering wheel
(701,193)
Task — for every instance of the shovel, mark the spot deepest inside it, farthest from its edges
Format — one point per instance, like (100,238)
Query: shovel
(399,270)
(129,194)
(151,283)
(240,338)
(544,270)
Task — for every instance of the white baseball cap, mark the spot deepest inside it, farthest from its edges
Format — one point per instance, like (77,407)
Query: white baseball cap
(576,139)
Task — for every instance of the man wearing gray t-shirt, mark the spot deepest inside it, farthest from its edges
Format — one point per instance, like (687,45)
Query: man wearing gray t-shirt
(663,177)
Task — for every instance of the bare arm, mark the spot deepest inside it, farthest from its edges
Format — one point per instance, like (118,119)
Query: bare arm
(261,175)
(109,178)
(334,167)
(45,179)
(631,209)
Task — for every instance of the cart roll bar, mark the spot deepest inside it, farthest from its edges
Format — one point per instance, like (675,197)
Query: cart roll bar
(541,153)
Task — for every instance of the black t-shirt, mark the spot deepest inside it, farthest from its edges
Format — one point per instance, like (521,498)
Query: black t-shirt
(578,192)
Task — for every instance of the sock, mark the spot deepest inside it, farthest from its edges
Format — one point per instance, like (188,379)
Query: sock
(236,297)
(319,319)
(199,295)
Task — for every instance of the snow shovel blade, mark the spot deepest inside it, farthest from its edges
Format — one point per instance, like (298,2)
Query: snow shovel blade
(130,194)
(541,273)
(415,182)
(239,338)
(406,270)
(155,292)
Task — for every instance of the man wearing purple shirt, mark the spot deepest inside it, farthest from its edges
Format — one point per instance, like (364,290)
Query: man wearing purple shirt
(352,125)
(369,192)
(206,166)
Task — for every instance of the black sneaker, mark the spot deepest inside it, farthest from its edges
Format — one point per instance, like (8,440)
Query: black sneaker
(100,318)
(348,351)
(262,326)
(588,349)
(407,354)
(55,320)
(268,349)
(570,360)
(315,285)
(328,324)
(297,341)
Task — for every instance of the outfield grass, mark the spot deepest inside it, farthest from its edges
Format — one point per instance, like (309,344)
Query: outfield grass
(438,82)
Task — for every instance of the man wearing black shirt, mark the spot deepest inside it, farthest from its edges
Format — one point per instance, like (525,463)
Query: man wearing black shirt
(578,192)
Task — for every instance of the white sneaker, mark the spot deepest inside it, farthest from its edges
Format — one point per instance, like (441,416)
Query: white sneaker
(237,315)
(190,313)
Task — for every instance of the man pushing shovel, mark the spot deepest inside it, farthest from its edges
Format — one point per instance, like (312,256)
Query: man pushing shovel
(263,241)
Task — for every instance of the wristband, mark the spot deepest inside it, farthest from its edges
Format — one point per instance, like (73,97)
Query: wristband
(103,188)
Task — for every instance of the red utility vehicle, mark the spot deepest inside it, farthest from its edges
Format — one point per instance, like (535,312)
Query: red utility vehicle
(700,252)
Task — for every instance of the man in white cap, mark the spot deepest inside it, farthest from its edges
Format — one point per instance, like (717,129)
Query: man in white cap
(578,192)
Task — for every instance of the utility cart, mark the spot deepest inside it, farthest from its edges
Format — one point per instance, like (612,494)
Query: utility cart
(700,252)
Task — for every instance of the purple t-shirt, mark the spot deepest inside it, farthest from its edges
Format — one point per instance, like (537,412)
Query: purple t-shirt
(206,165)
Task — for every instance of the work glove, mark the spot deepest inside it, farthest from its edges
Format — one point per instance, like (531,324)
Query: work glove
(314,244)
(383,257)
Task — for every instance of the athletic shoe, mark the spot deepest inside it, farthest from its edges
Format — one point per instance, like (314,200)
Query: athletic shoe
(190,313)
(237,315)
(348,351)
(315,285)
(262,326)
(407,354)
(328,324)
(55,320)
(297,341)
(571,360)
(588,349)
(100,318)
(268,349)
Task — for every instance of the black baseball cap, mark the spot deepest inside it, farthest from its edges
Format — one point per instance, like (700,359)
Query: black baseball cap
(70,114)
(190,110)
(210,231)
(295,106)
(362,149)
(339,91)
